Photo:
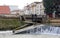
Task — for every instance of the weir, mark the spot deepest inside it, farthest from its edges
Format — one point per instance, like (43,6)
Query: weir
(33,27)
(44,29)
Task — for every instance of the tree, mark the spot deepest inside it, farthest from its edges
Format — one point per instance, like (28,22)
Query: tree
(48,4)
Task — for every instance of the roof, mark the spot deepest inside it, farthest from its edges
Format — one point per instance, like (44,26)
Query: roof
(37,2)
(4,10)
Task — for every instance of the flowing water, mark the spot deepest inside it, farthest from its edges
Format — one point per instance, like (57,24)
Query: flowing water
(41,31)
(44,29)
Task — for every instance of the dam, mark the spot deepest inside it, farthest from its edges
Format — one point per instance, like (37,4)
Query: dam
(40,29)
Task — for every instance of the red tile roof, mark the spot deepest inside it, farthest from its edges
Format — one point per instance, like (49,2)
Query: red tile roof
(4,10)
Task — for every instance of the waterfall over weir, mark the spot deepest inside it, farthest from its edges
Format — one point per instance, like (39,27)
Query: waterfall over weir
(42,30)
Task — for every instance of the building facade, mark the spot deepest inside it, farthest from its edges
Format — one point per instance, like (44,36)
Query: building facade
(34,8)
(4,10)
(17,12)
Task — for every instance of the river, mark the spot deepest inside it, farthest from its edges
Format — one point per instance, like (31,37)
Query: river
(9,34)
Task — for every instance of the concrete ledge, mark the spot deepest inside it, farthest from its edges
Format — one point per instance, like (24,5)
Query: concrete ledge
(29,36)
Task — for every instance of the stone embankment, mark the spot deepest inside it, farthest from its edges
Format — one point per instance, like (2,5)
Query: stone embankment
(55,21)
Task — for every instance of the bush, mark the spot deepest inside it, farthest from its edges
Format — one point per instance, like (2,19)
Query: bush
(10,24)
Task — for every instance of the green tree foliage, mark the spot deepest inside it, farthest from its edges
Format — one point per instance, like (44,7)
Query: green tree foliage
(48,4)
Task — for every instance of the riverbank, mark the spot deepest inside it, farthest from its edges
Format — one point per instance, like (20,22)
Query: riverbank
(10,24)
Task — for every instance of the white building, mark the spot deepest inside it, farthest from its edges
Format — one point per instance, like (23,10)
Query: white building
(34,8)
(17,12)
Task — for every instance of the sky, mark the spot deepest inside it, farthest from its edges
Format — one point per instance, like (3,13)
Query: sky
(19,3)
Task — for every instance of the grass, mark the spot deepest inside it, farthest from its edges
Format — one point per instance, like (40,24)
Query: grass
(10,24)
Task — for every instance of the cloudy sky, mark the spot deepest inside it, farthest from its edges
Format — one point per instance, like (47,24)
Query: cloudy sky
(19,3)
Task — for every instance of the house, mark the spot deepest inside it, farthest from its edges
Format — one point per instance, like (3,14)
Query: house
(9,11)
(17,12)
(4,10)
(34,8)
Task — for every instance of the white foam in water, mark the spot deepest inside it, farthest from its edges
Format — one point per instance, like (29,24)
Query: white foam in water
(44,30)
(5,31)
